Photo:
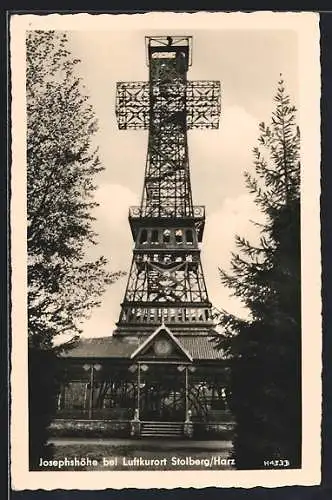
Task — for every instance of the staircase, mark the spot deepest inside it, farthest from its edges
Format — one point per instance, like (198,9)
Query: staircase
(162,430)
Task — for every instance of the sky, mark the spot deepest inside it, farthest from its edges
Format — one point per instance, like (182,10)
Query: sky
(248,63)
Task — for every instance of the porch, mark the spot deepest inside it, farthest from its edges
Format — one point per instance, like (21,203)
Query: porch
(155,384)
(145,393)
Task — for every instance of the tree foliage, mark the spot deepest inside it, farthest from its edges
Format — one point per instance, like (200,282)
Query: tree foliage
(62,163)
(64,285)
(265,349)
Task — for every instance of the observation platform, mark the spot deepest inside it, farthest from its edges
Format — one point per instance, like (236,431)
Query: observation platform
(159,216)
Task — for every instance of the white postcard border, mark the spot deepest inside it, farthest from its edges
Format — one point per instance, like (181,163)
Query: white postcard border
(306,25)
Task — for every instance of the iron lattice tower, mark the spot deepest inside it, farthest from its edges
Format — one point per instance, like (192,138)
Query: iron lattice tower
(166,281)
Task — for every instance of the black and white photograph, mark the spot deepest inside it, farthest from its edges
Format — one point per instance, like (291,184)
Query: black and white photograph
(165,238)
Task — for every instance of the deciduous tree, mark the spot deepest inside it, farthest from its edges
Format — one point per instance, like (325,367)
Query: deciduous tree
(64,285)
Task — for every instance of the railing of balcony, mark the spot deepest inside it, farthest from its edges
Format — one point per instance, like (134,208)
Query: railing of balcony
(137,212)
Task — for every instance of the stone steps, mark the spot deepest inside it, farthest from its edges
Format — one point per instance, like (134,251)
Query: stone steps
(162,429)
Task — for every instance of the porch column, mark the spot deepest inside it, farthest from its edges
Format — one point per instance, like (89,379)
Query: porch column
(61,397)
(138,389)
(186,391)
(91,391)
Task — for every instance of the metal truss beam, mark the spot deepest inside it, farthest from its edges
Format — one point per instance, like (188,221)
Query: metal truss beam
(203,98)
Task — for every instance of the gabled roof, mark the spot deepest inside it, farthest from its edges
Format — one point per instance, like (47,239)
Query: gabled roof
(161,329)
(103,347)
(199,347)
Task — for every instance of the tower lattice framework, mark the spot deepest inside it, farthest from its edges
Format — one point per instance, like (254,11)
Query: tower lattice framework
(166,282)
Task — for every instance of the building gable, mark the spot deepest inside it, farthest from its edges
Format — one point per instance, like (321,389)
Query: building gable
(162,344)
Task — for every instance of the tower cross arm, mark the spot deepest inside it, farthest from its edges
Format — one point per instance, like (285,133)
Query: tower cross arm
(202,104)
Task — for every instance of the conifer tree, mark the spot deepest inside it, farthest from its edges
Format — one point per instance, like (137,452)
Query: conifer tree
(264,350)
(64,285)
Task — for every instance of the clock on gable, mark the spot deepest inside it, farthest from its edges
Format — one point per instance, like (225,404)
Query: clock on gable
(162,347)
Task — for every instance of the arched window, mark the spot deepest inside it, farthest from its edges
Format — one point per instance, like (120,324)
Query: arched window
(178,236)
(166,236)
(189,236)
(155,236)
(143,236)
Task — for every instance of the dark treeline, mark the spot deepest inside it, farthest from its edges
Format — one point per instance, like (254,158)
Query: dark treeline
(264,350)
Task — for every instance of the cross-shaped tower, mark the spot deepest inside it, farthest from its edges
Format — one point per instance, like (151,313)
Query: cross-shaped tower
(166,282)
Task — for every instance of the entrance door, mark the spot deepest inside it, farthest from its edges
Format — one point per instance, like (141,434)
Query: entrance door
(162,394)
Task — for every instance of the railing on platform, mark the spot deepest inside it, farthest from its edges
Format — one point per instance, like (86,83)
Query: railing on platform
(137,212)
